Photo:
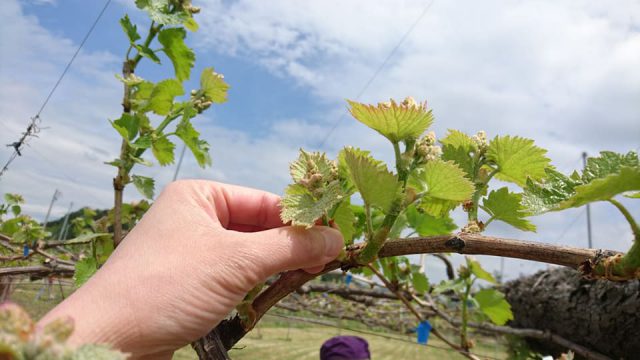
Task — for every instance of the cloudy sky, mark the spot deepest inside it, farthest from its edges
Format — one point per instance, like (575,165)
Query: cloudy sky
(563,73)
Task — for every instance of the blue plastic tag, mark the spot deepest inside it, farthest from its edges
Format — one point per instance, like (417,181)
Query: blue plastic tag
(423,330)
(25,250)
(348,279)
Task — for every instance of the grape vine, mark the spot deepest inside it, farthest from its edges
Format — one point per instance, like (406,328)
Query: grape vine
(384,211)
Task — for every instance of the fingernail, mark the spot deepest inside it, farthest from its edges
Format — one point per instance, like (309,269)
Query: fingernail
(333,243)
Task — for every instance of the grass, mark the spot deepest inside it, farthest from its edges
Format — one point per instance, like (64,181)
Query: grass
(285,339)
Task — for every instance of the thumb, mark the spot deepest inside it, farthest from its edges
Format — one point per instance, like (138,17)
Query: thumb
(288,247)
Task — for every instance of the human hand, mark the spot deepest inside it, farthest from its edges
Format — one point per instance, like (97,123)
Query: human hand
(192,258)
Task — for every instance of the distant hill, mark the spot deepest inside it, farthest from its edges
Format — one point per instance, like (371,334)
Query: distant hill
(54,226)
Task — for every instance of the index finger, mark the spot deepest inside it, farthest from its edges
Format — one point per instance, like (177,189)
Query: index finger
(238,206)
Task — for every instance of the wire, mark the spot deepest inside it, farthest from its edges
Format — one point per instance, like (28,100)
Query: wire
(84,40)
(315,322)
(33,127)
(569,226)
(379,69)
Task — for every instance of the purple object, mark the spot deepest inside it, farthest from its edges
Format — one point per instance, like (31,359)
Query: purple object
(345,348)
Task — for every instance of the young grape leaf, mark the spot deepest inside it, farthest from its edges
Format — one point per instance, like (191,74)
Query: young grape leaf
(126,126)
(493,304)
(458,139)
(456,285)
(191,24)
(85,268)
(608,163)
(307,162)
(427,225)
(13,198)
(159,11)
(213,86)
(145,185)
(191,138)
(141,94)
(443,185)
(628,179)
(377,186)
(541,197)
(420,282)
(460,157)
(507,206)
(517,159)
(395,121)
(398,226)
(477,270)
(161,98)
(148,53)
(129,29)
(344,217)
(633,195)
(301,208)
(162,149)
(180,54)
(603,178)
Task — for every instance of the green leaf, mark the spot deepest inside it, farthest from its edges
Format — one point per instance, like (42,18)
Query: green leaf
(345,219)
(129,29)
(140,160)
(456,285)
(162,149)
(427,225)
(541,197)
(145,185)
(628,179)
(493,304)
(517,158)
(608,163)
(161,98)
(603,178)
(398,226)
(444,180)
(191,24)
(301,208)
(127,126)
(85,268)
(213,86)
(443,185)
(396,122)
(16,210)
(142,93)
(460,157)
(148,53)
(420,282)
(311,162)
(143,142)
(458,139)
(377,186)
(478,271)
(180,55)
(507,206)
(11,227)
(199,147)
(633,195)
(161,11)
(13,198)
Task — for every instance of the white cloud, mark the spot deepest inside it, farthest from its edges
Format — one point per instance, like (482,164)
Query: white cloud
(556,71)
